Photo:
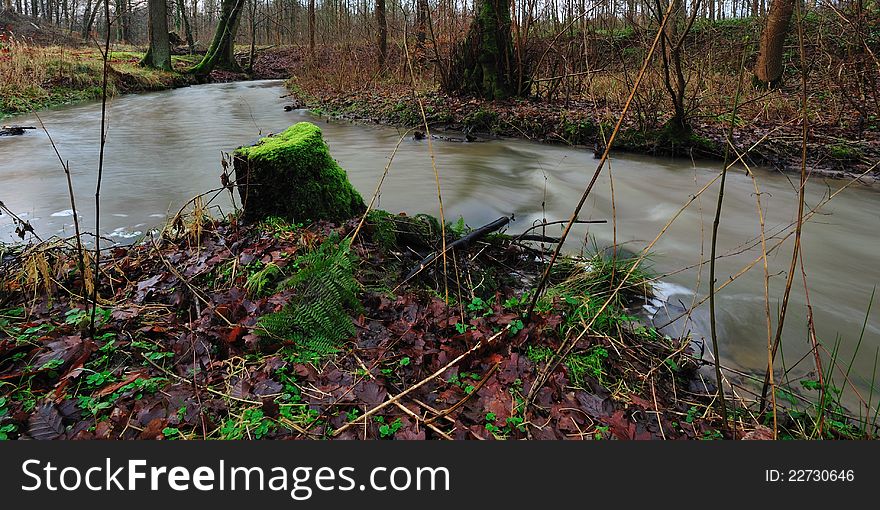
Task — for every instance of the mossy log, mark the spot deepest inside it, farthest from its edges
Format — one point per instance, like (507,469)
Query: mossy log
(292,175)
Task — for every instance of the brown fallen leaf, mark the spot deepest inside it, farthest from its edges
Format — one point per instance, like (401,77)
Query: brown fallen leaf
(45,423)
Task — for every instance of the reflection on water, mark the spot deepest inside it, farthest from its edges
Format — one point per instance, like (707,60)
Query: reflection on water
(164,147)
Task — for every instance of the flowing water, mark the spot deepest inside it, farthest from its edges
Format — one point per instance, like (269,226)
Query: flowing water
(165,147)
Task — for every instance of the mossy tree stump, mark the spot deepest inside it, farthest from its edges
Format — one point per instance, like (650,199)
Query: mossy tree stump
(292,175)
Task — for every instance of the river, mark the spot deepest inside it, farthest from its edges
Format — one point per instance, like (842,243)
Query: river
(165,147)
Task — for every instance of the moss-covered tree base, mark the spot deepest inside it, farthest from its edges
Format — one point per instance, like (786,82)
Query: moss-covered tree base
(292,175)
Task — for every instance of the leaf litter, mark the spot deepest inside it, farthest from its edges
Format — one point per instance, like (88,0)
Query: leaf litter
(178,350)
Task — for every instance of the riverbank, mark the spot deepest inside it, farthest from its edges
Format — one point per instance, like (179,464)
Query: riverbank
(45,66)
(185,345)
(573,124)
(181,349)
(578,99)
(40,77)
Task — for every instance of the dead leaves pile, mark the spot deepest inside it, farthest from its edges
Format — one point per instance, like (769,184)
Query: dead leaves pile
(176,355)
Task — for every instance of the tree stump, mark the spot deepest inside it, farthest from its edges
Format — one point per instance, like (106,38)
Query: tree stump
(292,175)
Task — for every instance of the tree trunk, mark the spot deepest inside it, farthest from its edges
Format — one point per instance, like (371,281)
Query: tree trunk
(421,28)
(221,52)
(483,63)
(252,53)
(89,20)
(768,68)
(159,53)
(123,12)
(186,27)
(678,126)
(8,5)
(312,30)
(383,32)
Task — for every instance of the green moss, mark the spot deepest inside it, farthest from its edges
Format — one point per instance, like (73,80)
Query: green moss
(293,176)
(844,152)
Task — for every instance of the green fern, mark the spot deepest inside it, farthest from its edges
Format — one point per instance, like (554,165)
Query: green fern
(316,318)
(258,284)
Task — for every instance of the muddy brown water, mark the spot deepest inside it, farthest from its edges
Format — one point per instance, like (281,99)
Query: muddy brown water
(165,147)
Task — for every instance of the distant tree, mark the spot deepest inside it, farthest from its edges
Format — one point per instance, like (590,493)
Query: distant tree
(483,64)
(421,27)
(312,30)
(159,53)
(383,31)
(187,30)
(7,5)
(221,52)
(89,15)
(768,68)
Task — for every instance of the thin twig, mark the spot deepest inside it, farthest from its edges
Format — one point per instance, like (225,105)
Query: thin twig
(423,382)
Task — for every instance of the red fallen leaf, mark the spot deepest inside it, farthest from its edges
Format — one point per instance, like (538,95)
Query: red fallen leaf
(144,288)
(147,412)
(514,367)
(594,405)
(493,359)
(639,401)
(45,423)
(306,371)
(154,429)
(621,427)
(253,341)
(130,378)
(761,433)
(124,313)
(272,364)
(241,388)
(103,429)
(409,431)
(235,334)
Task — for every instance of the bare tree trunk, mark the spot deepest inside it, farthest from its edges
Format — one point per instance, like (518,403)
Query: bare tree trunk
(181,6)
(89,21)
(312,30)
(421,27)
(122,11)
(159,54)
(252,54)
(768,68)
(382,41)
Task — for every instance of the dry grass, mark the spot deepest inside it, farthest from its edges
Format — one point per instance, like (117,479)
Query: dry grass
(36,77)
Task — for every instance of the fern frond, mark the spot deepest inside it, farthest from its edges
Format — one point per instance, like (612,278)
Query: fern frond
(316,318)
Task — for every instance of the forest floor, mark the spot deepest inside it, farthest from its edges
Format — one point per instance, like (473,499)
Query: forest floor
(180,348)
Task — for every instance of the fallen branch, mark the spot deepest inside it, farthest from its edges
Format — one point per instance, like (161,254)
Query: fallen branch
(464,242)
(14,130)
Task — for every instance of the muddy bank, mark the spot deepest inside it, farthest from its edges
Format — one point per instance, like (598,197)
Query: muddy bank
(574,124)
